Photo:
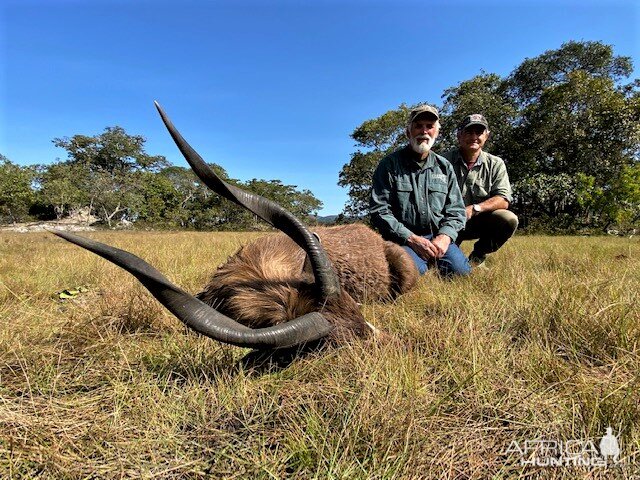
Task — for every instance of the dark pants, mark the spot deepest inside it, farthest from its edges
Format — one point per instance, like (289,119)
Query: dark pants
(492,229)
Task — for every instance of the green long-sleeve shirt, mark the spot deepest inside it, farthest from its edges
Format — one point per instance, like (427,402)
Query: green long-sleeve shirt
(408,198)
(488,177)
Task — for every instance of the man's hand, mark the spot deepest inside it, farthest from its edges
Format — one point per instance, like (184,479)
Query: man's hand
(423,247)
(442,243)
(469,211)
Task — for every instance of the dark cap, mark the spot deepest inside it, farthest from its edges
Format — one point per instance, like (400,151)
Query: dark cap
(419,110)
(475,119)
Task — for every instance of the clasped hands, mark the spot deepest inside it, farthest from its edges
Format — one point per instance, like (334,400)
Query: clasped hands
(429,249)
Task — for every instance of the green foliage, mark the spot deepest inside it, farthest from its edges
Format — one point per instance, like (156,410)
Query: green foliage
(113,175)
(61,186)
(16,193)
(111,151)
(485,94)
(548,202)
(357,175)
(129,189)
(385,132)
(157,198)
(533,76)
(584,125)
(192,201)
(377,137)
(106,171)
(300,203)
(616,204)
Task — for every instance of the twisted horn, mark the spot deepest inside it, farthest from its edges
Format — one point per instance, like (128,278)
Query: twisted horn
(199,316)
(272,213)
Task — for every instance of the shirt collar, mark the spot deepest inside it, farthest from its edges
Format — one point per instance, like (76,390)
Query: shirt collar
(410,157)
(480,161)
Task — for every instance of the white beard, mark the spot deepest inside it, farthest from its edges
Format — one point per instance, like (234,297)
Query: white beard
(421,147)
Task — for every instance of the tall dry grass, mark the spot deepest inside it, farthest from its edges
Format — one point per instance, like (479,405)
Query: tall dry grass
(109,385)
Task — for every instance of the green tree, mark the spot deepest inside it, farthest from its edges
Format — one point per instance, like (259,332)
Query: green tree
(535,75)
(486,94)
(16,193)
(585,124)
(548,202)
(112,151)
(374,139)
(199,207)
(184,198)
(577,118)
(300,203)
(617,203)
(60,185)
(111,165)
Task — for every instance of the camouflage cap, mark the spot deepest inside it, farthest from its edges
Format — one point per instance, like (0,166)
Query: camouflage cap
(419,110)
(475,119)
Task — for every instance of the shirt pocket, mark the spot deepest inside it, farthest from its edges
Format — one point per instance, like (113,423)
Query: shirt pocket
(403,191)
(437,196)
(479,191)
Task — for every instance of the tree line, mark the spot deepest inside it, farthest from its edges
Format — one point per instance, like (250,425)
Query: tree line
(112,178)
(567,123)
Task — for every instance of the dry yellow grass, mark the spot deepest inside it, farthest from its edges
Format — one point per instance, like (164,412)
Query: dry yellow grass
(109,385)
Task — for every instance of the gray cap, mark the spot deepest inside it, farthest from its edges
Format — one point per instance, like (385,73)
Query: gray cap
(475,119)
(419,110)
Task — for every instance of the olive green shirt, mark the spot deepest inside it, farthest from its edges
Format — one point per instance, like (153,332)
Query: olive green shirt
(407,198)
(487,178)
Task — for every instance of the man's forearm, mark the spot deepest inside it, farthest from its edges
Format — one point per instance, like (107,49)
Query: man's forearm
(494,203)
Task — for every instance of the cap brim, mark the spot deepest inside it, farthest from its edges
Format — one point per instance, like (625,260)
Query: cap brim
(431,114)
(475,123)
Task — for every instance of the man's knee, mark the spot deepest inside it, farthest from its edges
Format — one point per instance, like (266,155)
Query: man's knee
(454,262)
(507,219)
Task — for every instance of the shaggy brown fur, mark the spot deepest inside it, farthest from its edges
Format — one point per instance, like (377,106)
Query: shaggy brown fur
(369,268)
(265,282)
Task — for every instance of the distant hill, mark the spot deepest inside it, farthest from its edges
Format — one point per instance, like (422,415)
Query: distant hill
(329,219)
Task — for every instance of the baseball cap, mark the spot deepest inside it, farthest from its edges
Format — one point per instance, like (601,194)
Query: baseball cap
(475,119)
(419,110)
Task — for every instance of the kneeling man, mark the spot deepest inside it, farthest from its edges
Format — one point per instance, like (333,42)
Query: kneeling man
(485,187)
(415,200)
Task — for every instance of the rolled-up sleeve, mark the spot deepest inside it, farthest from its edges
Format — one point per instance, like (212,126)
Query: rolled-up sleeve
(380,209)
(500,185)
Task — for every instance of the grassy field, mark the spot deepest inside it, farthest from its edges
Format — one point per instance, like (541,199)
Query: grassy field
(107,384)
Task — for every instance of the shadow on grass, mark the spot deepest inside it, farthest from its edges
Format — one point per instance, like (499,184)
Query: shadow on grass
(261,362)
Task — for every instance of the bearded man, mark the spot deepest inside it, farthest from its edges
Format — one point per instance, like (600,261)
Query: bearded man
(485,187)
(415,200)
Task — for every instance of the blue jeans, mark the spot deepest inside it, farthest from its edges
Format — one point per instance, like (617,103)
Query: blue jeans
(453,262)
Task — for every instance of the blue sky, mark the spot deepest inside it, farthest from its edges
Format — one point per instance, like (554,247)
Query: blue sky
(267,89)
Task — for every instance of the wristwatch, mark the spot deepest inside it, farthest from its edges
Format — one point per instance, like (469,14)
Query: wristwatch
(476,208)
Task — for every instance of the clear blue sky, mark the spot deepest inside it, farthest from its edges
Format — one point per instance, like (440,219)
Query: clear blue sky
(267,89)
